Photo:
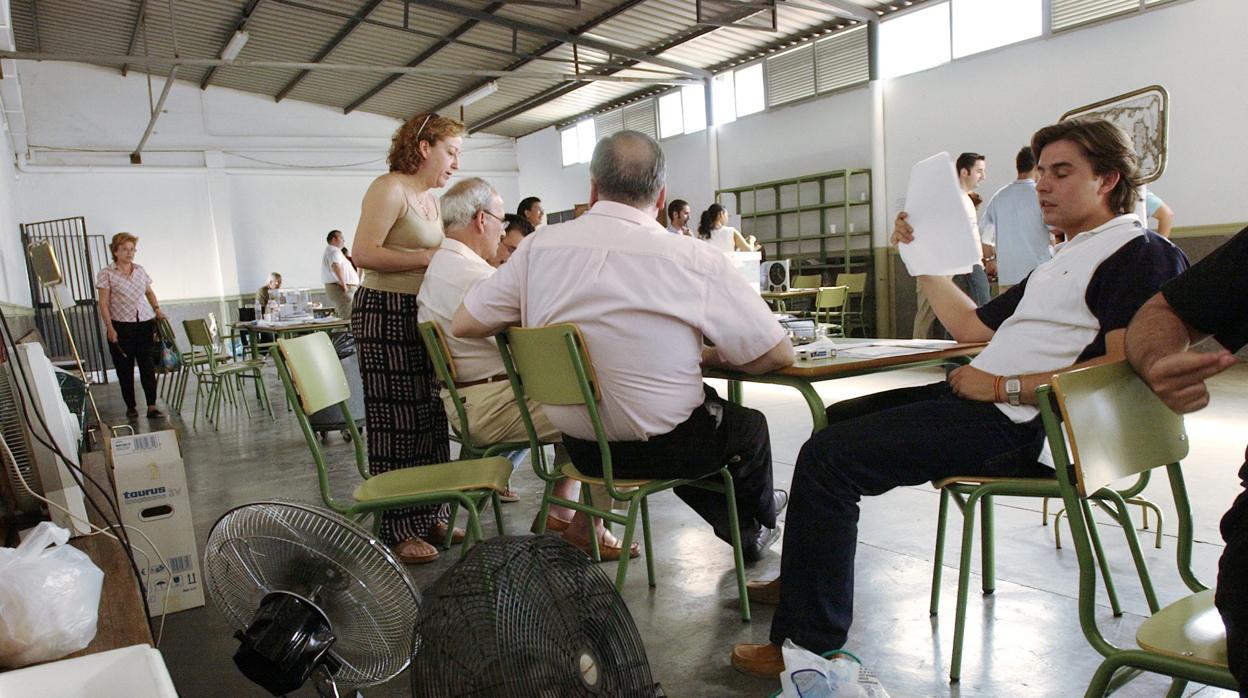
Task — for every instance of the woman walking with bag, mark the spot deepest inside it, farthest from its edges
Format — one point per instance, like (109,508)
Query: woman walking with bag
(129,309)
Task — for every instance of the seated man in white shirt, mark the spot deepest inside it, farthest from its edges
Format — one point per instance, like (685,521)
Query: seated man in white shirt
(1073,310)
(644,300)
(339,275)
(472,214)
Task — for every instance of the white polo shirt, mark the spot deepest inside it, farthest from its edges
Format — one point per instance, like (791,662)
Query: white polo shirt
(329,258)
(454,269)
(1059,315)
(643,299)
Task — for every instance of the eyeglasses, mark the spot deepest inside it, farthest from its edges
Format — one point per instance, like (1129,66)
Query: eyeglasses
(495,216)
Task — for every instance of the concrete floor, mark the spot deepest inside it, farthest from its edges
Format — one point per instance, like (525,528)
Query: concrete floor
(1030,646)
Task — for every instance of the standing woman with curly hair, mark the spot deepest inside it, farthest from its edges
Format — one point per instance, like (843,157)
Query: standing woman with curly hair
(400,228)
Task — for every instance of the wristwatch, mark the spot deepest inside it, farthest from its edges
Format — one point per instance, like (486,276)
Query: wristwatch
(1014,390)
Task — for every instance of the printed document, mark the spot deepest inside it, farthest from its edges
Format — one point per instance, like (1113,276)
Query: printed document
(936,207)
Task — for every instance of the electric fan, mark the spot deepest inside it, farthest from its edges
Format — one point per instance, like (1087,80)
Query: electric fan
(527,616)
(309,592)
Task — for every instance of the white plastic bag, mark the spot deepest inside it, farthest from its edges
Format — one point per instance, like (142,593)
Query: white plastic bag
(807,675)
(49,598)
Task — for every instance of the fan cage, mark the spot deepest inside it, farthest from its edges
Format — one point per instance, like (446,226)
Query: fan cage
(517,616)
(285,546)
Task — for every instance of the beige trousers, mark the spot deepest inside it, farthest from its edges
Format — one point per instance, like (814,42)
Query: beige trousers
(341,299)
(494,417)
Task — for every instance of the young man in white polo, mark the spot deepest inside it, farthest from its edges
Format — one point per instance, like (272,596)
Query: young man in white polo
(1072,310)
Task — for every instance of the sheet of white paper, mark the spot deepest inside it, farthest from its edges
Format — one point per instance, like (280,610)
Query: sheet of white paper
(877,352)
(944,241)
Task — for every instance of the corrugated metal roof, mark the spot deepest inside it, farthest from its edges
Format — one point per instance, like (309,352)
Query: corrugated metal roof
(296,31)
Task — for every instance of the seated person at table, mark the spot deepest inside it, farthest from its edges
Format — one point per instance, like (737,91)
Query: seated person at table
(627,284)
(1072,310)
(472,213)
(262,296)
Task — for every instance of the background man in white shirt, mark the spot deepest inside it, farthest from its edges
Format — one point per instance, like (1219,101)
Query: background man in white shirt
(1013,226)
(339,275)
(644,300)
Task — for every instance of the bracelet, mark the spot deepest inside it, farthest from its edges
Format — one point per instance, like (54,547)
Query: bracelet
(997,382)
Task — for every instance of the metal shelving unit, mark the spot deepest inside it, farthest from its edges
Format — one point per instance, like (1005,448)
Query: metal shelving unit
(822,221)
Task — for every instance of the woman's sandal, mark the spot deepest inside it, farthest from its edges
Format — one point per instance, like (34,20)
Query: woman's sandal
(606,551)
(437,534)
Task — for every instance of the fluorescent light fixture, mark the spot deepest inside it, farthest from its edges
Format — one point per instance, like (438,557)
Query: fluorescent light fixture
(479,94)
(235,46)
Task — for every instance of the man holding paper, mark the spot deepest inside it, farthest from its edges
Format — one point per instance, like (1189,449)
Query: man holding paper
(1072,310)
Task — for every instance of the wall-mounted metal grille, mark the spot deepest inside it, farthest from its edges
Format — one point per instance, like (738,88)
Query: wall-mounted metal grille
(642,117)
(1072,13)
(842,60)
(15,435)
(791,75)
(609,123)
(80,256)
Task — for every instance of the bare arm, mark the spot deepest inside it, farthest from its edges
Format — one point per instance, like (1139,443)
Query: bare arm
(106,314)
(1157,347)
(973,384)
(466,326)
(1165,220)
(383,204)
(743,244)
(151,298)
(777,357)
(342,278)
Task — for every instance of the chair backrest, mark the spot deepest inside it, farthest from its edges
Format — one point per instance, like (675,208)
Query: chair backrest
(1115,425)
(315,371)
(831,297)
(198,334)
(856,283)
(553,364)
(808,281)
(444,366)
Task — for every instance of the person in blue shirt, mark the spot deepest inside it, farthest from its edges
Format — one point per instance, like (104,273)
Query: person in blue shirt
(1013,226)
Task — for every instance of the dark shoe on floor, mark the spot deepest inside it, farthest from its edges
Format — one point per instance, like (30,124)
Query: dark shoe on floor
(781,498)
(764,592)
(755,543)
(763,661)
(606,550)
(437,534)
(153,413)
(132,413)
(415,551)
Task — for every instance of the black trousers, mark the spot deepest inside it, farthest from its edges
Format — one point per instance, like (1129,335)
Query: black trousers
(1232,593)
(134,345)
(718,433)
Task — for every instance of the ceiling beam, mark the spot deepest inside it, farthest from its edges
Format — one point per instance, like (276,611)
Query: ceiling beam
(134,33)
(239,24)
(850,10)
(328,48)
(424,56)
(562,89)
(538,30)
(548,47)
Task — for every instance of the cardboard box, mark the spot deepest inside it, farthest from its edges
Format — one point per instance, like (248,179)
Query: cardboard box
(152,495)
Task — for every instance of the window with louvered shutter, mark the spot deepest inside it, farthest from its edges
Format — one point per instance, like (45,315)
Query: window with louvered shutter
(641,117)
(609,123)
(791,75)
(1072,13)
(841,60)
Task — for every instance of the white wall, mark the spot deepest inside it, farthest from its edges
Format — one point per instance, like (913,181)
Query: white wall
(989,103)
(14,287)
(232,185)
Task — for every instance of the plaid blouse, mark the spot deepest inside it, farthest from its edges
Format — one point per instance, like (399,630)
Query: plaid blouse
(127,300)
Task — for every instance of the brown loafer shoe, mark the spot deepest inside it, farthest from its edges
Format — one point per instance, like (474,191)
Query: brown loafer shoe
(763,661)
(606,551)
(415,551)
(437,534)
(764,592)
(554,524)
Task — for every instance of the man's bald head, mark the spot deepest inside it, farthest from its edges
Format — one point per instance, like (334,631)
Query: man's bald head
(628,167)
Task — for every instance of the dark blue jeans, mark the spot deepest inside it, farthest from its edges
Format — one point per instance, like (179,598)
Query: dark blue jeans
(873,444)
(1232,591)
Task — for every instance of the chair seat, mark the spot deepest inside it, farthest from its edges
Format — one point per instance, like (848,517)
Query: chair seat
(569,470)
(985,479)
(483,473)
(1189,628)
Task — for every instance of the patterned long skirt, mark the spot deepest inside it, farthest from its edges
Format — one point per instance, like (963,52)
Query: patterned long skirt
(406,424)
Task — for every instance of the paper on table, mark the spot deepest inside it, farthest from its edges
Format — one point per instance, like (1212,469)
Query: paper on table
(944,241)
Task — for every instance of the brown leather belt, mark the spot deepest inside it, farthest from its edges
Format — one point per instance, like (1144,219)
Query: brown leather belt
(483,381)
